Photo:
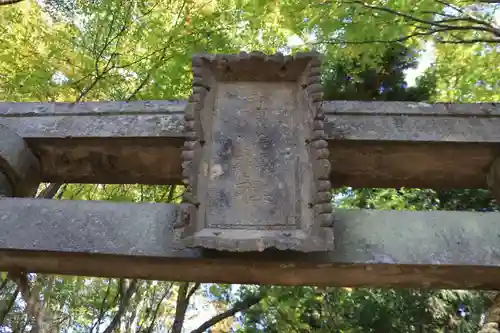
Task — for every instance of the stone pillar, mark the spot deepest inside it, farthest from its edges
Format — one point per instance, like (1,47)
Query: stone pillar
(19,168)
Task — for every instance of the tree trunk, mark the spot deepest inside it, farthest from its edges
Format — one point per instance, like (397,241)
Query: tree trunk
(492,318)
(125,297)
(183,297)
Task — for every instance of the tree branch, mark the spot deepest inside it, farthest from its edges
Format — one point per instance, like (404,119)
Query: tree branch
(124,302)
(375,41)
(417,34)
(41,322)
(492,318)
(171,191)
(180,308)
(396,13)
(243,305)
(102,309)
(440,23)
(8,2)
(470,17)
(470,41)
(443,25)
(4,283)
(163,56)
(53,188)
(157,309)
(4,312)
(193,290)
(183,296)
(50,191)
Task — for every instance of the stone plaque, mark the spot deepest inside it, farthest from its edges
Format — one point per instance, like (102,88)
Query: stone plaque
(255,161)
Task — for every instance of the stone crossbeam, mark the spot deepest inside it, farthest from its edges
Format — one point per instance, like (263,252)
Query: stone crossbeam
(435,249)
(372,144)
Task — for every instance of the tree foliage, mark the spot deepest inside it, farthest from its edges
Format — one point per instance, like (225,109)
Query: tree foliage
(79,50)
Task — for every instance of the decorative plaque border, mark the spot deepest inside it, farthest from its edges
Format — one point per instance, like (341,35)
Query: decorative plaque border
(255,160)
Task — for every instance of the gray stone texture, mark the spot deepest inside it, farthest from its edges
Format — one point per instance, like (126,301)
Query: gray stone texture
(372,144)
(436,249)
(250,160)
(18,165)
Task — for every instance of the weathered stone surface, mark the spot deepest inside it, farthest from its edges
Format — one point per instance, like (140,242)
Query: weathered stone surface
(104,108)
(411,108)
(447,145)
(414,127)
(5,186)
(48,225)
(95,119)
(102,142)
(372,248)
(410,164)
(249,161)
(18,164)
(114,160)
(255,66)
(387,121)
(493,179)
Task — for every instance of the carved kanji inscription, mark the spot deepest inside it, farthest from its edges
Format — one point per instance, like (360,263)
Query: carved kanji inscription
(256,162)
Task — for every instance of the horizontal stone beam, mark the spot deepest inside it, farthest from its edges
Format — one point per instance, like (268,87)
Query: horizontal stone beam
(396,144)
(372,144)
(433,249)
(102,142)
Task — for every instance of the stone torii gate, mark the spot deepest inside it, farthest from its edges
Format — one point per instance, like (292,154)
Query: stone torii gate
(259,151)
